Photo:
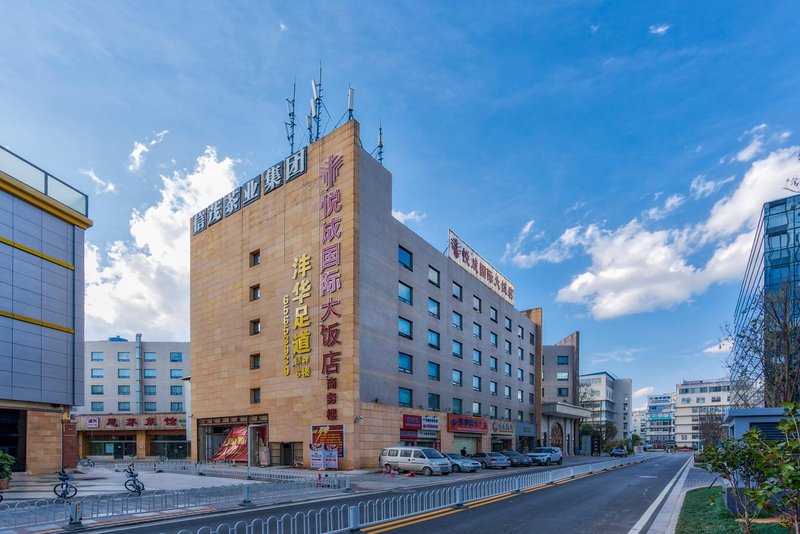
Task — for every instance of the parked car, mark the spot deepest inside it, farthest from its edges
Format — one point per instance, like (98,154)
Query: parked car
(619,452)
(517,459)
(491,459)
(461,463)
(415,459)
(546,456)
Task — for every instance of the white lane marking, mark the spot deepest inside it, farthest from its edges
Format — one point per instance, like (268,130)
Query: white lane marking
(647,476)
(661,496)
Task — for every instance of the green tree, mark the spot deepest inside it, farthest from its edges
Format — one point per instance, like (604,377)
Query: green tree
(636,439)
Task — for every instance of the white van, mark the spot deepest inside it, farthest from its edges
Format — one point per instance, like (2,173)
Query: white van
(415,459)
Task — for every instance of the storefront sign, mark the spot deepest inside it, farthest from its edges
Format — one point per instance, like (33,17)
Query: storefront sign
(412,422)
(92,422)
(428,434)
(525,429)
(324,456)
(466,423)
(330,435)
(503,427)
(301,326)
(481,269)
(430,423)
(408,435)
(171,421)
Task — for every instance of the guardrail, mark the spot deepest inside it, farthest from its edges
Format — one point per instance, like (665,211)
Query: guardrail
(344,518)
(248,472)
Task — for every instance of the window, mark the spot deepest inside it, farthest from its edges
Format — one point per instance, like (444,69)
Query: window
(507,347)
(686,400)
(520,354)
(476,330)
(700,400)
(530,338)
(176,390)
(507,392)
(458,349)
(476,383)
(123,373)
(255,292)
(404,293)
(97,406)
(520,375)
(97,356)
(493,388)
(458,320)
(492,339)
(530,398)
(476,303)
(476,409)
(433,308)
(405,328)
(255,361)
(492,363)
(457,377)
(519,395)
(149,356)
(457,291)
(493,412)
(176,356)
(255,396)
(97,373)
(149,390)
(562,376)
(123,406)
(405,258)
(507,324)
(433,339)
(176,406)
(457,405)
(531,378)
(405,397)
(150,406)
(255,327)
(493,313)
(507,369)
(519,416)
(716,399)
(149,373)
(405,363)
(520,332)
(563,392)
(123,390)
(433,401)
(563,360)
(433,371)
(433,276)
(255,258)
(176,373)
(476,357)
(123,356)
(97,389)
(507,414)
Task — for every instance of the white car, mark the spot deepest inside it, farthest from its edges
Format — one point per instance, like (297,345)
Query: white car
(460,463)
(546,456)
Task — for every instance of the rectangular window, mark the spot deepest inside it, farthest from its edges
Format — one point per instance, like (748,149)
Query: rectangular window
(255,327)
(519,417)
(507,324)
(123,373)
(563,360)
(404,293)
(405,363)
(405,397)
(405,328)
(176,390)
(476,303)
(477,357)
(433,371)
(507,392)
(507,414)
(457,405)
(562,376)
(519,395)
(433,339)
(493,412)
(520,332)
(520,354)
(405,258)
(476,383)
(97,406)
(123,356)
(176,373)
(530,398)
(123,406)
(433,276)
(255,292)
(433,308)
(176,356)
(507,347)
(493,388)
(123,390)
(507,369)
(150,406)
(476,330)
(457,377)
(97,389)
(255,396)
(149,390)
(255,258)
(149,373)
(530,338)
(493,313)
(563,392)
(457,291)
(97,373)
(531,378)
(458,320)
(520,375)
(492,339)
(476,409)
(176,406)
(97,356)
(492,363)
(149,356)
(433,402)
(255,361)
(458,349)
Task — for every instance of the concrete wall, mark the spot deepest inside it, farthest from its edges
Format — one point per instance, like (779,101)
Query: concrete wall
(570,347)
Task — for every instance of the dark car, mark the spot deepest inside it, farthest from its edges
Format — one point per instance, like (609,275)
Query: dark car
(619,452)
(517,459)
(491,459)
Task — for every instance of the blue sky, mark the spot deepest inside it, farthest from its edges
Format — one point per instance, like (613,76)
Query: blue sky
(616,154)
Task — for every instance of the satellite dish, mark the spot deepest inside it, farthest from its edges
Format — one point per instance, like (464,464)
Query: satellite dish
(314,89)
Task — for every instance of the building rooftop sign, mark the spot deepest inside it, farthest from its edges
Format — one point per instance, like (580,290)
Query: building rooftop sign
(478,267)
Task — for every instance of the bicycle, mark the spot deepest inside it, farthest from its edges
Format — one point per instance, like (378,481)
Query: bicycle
(64,490)
(133,484)
(85,462)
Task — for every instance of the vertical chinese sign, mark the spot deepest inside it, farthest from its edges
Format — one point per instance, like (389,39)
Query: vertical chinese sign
(301,326)
(330,280)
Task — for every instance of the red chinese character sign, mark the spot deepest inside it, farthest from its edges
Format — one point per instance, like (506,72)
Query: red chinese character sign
(478,267)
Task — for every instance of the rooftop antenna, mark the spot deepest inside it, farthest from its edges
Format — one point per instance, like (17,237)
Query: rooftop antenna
(291,124)
(351,96)
(316,102)
(310,130)
(380,144)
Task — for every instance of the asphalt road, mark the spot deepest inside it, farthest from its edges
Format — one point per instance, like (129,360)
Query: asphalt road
(606,503)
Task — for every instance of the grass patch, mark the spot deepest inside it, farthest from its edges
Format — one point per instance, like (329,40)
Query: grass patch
(701,515)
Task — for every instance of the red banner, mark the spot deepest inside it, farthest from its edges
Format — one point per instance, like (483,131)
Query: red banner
(235,445)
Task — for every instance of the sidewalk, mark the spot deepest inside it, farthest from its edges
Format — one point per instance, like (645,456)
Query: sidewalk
(667,519)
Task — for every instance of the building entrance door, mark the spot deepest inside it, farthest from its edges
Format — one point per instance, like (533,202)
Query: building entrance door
(557,436)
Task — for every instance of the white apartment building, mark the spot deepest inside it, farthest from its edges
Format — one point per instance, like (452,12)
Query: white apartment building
(660,419)
(609,400)
(694,398)
(639,422)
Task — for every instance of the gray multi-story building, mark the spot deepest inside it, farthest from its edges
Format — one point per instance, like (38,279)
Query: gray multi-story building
(135,398)
(42,224)
(609,399)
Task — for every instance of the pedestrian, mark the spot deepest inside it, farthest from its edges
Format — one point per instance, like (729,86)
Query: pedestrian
(463,451)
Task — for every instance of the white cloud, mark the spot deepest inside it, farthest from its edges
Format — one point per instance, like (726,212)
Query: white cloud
(142,284)
(283,27)
(101,186)
(752,150)
(661,29)
(643,392)
(561,249)
(672,203)
(701,188)
(723,346)
(136,157)
(159,136)
(594,27)
(616,356)
(410,216)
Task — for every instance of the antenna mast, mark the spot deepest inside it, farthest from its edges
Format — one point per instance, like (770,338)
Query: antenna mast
(291,124)
(351,96)
(380,144)
(316,104)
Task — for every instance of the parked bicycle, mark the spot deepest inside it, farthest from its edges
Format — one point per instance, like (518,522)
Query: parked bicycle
(133,484)
(85,462)
(64,489)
